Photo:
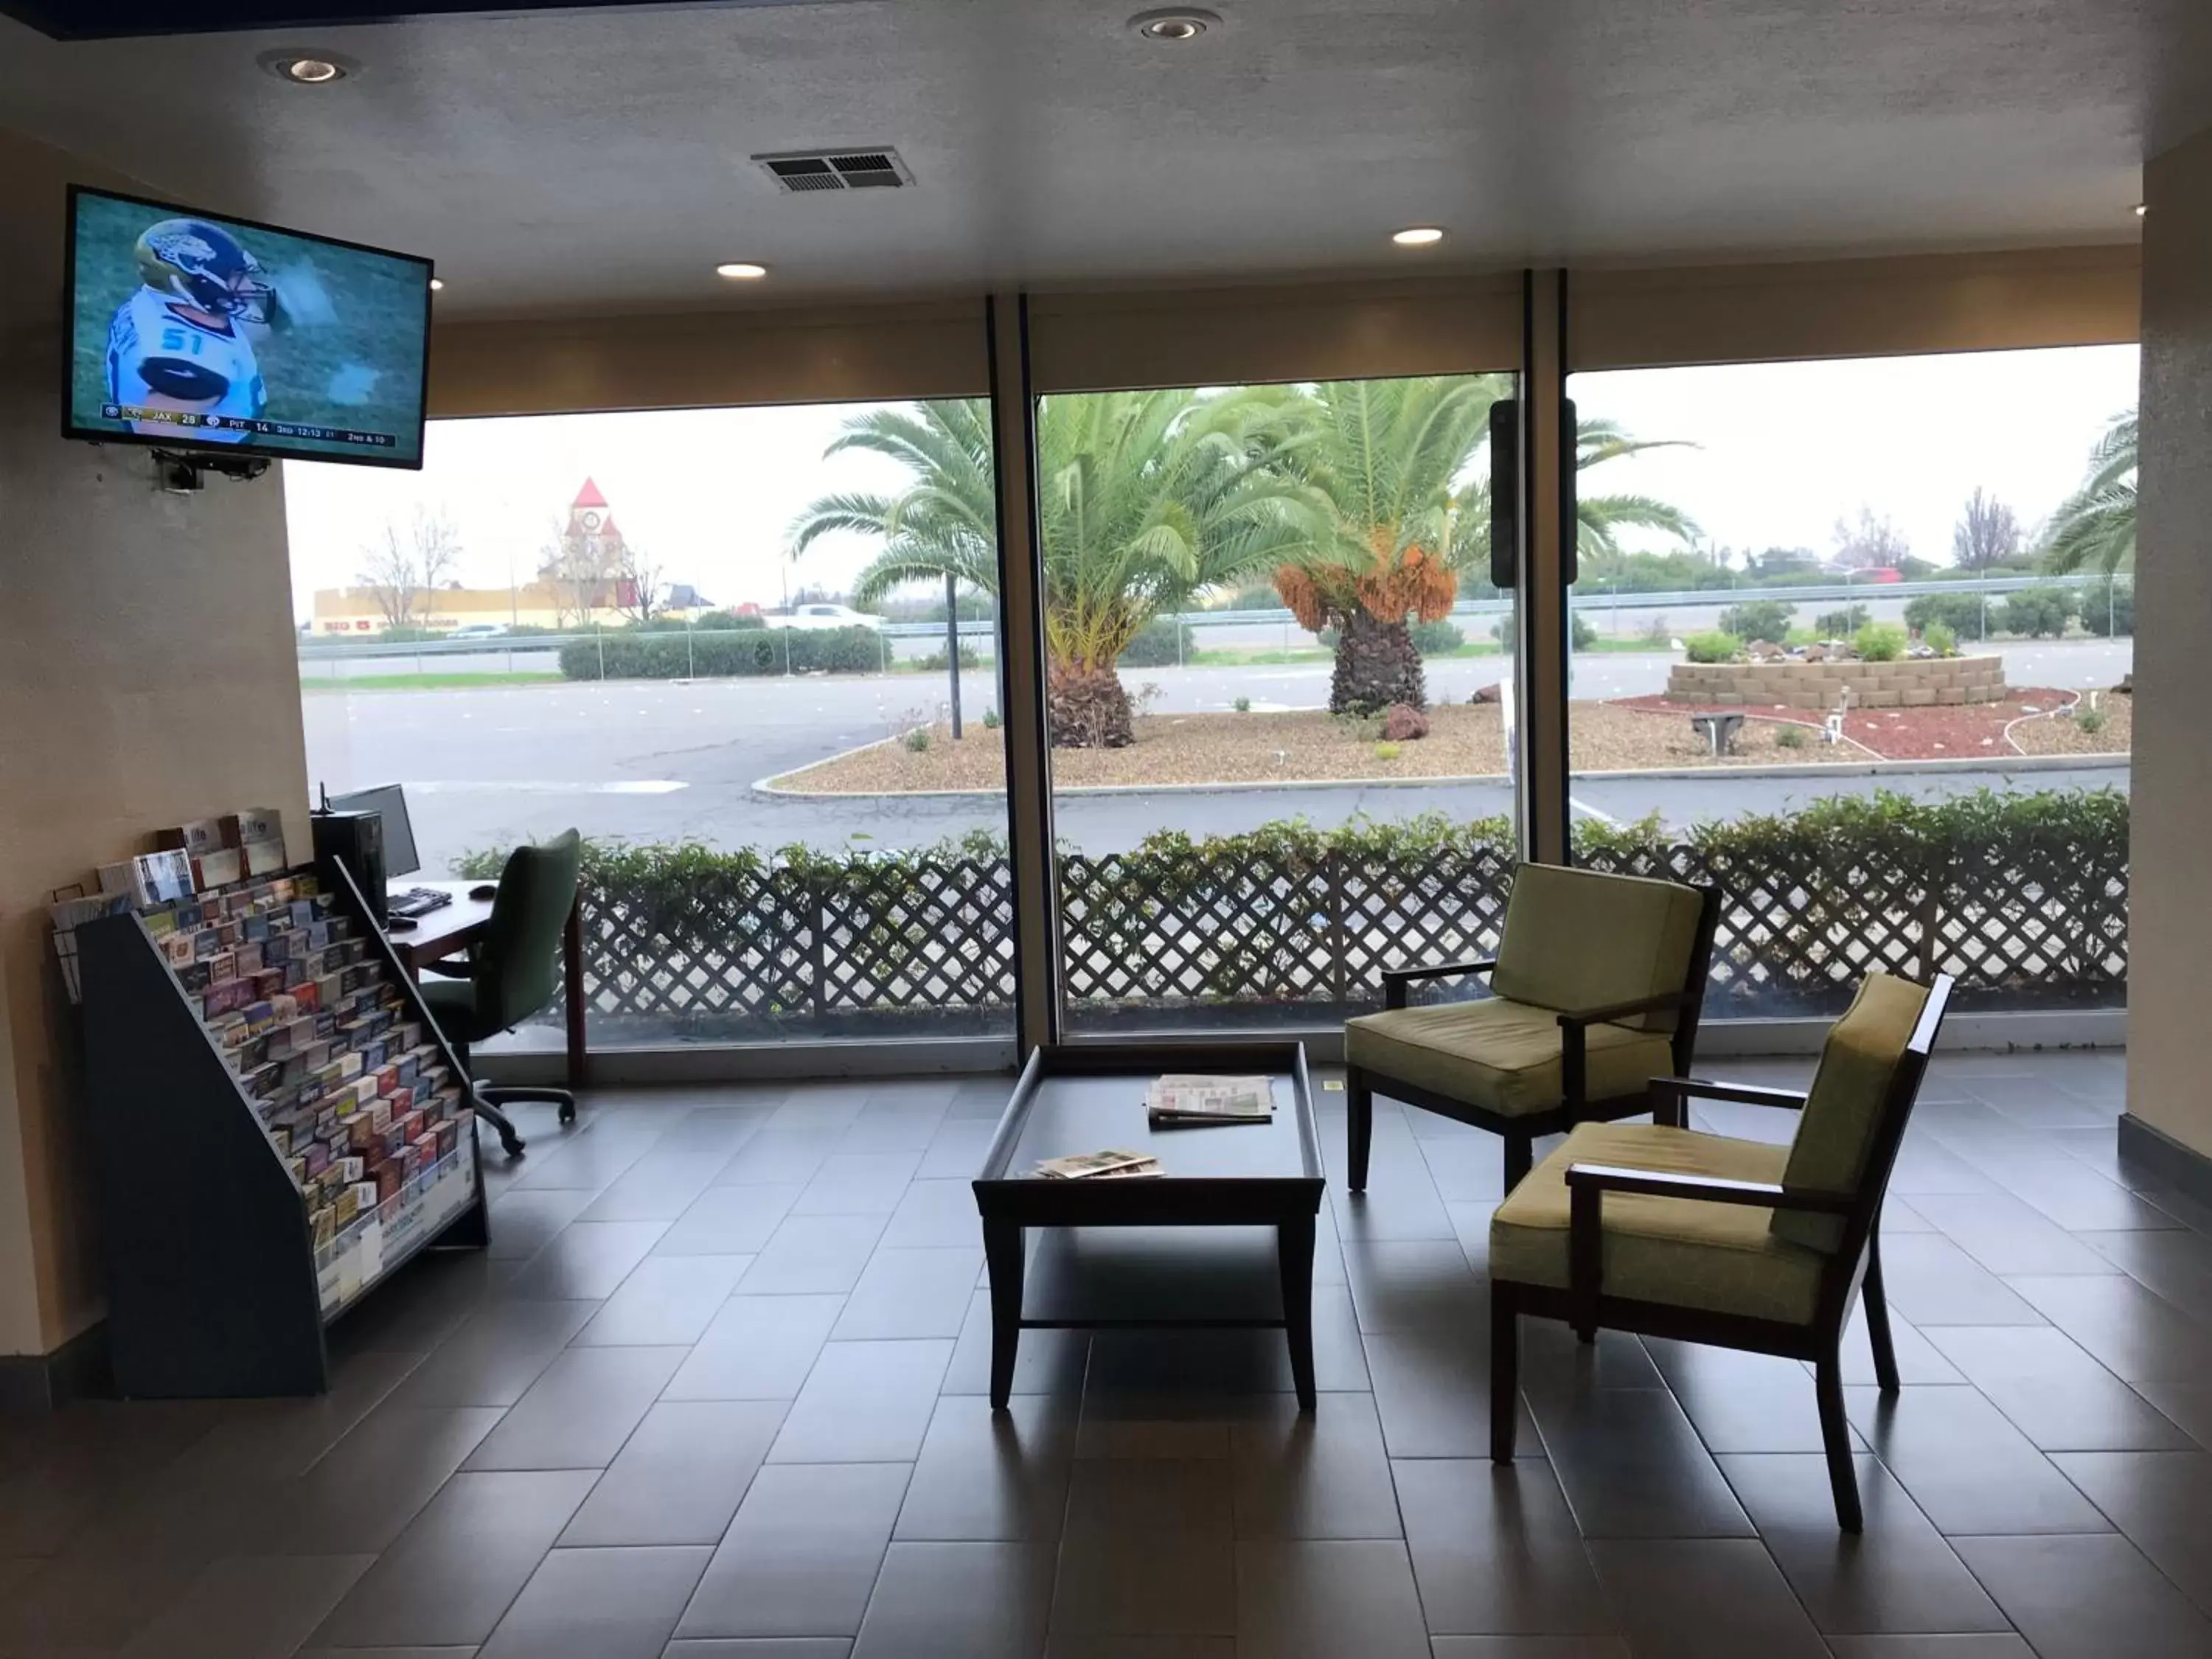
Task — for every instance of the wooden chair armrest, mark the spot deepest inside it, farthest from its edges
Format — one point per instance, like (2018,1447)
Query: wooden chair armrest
(1709,1189)
(1396,980)
(1589,1183)
(1698,1088)
(1650,1004)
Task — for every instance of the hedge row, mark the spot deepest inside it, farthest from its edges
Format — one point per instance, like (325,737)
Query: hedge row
(2023,896)
(719,653)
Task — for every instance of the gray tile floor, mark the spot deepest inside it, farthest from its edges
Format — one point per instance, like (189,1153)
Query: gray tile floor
(715,1393)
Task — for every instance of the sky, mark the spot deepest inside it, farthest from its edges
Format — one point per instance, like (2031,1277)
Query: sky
(1781,451)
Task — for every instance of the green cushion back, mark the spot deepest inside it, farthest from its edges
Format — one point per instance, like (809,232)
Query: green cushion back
(1580,938)
(513,974)
(1836,1129)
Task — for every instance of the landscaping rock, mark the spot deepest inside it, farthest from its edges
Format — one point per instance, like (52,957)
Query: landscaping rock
(1485,693)
(1403,722)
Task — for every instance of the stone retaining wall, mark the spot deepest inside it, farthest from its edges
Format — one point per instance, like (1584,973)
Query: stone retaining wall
(1909,683)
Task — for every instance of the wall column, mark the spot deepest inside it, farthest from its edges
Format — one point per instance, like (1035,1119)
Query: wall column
(2170,921)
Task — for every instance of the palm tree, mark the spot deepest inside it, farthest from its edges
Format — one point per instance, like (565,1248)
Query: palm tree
(1386,454)
(1143,498)
(2096,524)
(1598,440)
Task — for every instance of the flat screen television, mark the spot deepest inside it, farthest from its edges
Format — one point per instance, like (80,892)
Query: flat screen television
(192,331)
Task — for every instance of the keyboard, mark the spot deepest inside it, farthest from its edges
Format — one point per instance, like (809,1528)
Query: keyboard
(416,902)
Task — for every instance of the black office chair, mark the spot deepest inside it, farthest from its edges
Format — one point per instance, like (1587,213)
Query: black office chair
(510,976)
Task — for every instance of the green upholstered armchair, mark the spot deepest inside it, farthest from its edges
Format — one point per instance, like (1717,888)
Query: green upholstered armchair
(1597,983)
(1656,1228)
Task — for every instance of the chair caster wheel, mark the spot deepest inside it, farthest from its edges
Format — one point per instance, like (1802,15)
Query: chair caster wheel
(567,1112)
(511,1144)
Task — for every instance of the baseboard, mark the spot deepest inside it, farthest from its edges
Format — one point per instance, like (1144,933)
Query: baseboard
(740,1063)
(78,1369)
(2158,1153)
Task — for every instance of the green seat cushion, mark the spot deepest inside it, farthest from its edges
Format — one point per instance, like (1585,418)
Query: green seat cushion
(1581,939)
(1502,1056)
(1720,1257)
(1836,1129)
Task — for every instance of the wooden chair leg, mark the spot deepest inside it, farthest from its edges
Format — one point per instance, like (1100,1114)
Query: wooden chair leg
(1359,1131)
(1836,1440)
(1520,1153)
(1877,1301)
(1504,1372)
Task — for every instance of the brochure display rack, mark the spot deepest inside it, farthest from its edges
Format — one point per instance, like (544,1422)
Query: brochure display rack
(277,1127)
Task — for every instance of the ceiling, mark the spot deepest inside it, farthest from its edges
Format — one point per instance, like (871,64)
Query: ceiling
(597,160)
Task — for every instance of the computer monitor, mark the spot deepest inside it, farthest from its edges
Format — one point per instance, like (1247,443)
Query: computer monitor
(389,802)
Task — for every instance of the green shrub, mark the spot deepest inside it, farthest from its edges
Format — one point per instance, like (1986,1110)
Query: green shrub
(1243,705)
(722,653)
(1758,619)
(1155,646)
(1712,648)
(1841,624)
(1386,750)
(1791,737)
(990,720)
(933,662)
(1960,612)
(2108,608)
(709,622)
(1433,639)
(1881,643)
(1939,638)
(2089,718)
(2038,613)
(916,741)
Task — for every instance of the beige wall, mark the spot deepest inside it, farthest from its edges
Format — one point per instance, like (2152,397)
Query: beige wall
(147,676)
(1652,318)
(2170,924)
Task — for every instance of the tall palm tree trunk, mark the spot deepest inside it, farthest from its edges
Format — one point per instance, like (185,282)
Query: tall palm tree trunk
(1376,665)
(1087,707)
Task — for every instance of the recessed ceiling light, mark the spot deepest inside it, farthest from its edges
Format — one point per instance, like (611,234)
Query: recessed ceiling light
(1173,28)
(1417,236)
(437,285)
(741,271)
(307,68)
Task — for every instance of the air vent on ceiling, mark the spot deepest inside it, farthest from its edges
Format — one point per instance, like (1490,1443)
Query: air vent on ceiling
(804,171)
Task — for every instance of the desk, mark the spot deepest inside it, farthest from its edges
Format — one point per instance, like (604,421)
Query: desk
(452,930)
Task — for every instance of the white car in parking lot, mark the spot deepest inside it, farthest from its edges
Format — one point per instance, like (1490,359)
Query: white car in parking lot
(815,617)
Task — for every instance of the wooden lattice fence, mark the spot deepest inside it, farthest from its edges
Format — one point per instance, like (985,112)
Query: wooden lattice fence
(1296,927)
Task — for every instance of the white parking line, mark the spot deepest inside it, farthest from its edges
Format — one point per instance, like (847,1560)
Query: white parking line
(1588,811)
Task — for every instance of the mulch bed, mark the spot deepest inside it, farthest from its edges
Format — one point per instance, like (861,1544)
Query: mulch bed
(1309,746)
(1951,731)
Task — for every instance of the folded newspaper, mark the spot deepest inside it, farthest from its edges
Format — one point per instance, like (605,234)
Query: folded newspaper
(1098,1166)
(1178,1098)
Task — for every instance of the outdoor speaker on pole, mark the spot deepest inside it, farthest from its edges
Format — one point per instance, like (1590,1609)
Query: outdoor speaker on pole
(1505,490)
(1570,527)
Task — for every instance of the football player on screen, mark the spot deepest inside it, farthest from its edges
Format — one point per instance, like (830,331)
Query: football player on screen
(184,340)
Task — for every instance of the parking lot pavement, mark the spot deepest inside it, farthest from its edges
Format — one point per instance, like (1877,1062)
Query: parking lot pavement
(656,761)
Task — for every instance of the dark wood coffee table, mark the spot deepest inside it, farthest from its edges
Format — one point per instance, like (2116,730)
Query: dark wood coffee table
(1072,1100)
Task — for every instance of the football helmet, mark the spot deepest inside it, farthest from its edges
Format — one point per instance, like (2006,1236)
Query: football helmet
(206,267)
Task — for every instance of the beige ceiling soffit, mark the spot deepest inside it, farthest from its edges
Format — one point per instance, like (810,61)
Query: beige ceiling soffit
(709,361)
(1231,336)
(1673,315)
